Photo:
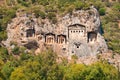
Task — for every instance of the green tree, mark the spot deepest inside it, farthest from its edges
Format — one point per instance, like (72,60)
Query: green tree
(18,74)
(16,50)
(3,35)
(102,11)
(3,54)
(96,71)
(79,5)
(39,13)
(41,67)
(75,72)
(6,70)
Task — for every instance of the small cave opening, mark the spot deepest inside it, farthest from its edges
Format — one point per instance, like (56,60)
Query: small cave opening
(32,45)
(72,51)
(92,36)
(30,32)
(77,44)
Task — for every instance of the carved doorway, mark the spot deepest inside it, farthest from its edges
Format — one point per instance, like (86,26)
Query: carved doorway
(50,38)
(61,39)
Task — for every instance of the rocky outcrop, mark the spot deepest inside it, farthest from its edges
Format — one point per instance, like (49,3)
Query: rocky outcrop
(74,34)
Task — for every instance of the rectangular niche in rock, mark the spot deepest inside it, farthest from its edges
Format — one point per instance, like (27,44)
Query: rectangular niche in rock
(30,32)
(92,36)
(50,38)
(61,39)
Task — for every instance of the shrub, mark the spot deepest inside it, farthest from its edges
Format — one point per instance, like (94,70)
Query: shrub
(25,56)
(50,15)
(70,9)
(79,5)
(43,2)
(86,6)
(102,11)
(7,70)
(50,9)
(15,50)
(24,3)
(3,51)
(13,43)
(39,13)
(74,57)
(3,54)
(6,15)
(54,20)
(3,35)
(98,4)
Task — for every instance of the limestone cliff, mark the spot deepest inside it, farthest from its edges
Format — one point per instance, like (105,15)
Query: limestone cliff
(74,34)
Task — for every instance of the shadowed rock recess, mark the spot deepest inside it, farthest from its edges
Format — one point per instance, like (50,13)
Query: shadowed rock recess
(74,34)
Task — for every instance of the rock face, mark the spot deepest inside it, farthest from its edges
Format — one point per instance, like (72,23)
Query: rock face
(74,34)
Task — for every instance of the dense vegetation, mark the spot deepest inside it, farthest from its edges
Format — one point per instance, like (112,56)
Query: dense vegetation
(27,66)
(19,65)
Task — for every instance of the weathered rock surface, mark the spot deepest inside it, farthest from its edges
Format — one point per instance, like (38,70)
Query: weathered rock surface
(76,34)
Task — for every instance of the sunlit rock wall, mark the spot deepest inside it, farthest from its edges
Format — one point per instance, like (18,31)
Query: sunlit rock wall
(74,34)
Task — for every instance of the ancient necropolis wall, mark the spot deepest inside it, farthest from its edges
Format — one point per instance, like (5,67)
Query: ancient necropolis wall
(76,34)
